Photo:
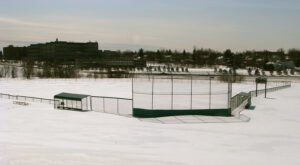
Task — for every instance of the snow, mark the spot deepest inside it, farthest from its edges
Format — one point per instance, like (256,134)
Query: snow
(37,134)
(95,87)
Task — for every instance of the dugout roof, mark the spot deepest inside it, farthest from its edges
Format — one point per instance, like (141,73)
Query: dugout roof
(70,96)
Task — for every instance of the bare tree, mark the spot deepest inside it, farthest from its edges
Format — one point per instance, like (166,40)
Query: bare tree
(13,72)
(1,72)
(28,68)
(6,70)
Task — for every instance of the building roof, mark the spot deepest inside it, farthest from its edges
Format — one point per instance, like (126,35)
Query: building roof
(70,96)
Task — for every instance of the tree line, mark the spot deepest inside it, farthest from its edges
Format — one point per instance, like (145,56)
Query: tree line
(172,60)
(210,57)
(196,57)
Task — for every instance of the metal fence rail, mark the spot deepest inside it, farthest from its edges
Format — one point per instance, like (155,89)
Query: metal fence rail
(26,98)
(238,99)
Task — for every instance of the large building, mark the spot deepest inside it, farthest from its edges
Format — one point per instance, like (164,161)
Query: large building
(82,54)
(14,53)
(64,51)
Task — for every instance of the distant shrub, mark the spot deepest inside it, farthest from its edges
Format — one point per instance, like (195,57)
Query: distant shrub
(118,74)
(285,72)
(249,71)
(279,72)
(215,69)
(236,78)
(257,73)
(1,72)
(292,71)
(13,72)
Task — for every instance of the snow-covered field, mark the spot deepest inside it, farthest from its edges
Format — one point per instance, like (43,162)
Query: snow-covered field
(37,134)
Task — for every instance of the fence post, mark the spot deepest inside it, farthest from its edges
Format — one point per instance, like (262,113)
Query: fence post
(191,92)
(91,103)
(210,92)
(152,92)
(172,92)
(132,92)
(118,106)
(265,89)
(103,105)
(54,105)
(256,90)
(87,104)
(229,92)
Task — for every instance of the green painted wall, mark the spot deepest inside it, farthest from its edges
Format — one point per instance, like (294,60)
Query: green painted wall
(148,113)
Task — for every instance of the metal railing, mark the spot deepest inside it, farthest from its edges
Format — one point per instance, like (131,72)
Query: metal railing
(26,98)
(238,99)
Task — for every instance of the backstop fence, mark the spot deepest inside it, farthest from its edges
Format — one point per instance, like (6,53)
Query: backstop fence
(186,94)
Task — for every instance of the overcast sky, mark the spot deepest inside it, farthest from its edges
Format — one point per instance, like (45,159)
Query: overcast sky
(172,24)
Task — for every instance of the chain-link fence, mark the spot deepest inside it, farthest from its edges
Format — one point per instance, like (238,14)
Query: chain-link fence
(168,93)
(180,93)
(275,86)
(26,98)
(113,105)
(240,98)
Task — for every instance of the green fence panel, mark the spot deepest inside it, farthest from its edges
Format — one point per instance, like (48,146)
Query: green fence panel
(148,113)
